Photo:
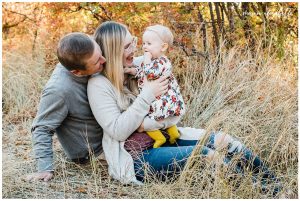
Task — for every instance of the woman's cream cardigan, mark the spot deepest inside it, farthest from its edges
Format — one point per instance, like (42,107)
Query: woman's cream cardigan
(117,125)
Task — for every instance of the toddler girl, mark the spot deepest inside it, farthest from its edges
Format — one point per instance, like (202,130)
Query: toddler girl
(156,41)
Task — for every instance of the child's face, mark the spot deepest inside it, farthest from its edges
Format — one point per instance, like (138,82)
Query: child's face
(152,43)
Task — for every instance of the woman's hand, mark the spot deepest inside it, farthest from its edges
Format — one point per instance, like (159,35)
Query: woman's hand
(158,86)
(131,71)
(141,128)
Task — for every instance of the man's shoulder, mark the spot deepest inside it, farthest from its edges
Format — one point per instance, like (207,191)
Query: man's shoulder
(60,73)
(59,81)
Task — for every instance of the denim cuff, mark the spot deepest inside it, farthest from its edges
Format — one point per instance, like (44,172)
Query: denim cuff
(45,164)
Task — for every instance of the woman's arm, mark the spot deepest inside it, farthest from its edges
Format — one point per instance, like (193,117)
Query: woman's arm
(104,105)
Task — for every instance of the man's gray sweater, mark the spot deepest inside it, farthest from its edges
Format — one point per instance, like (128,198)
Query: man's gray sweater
(64,109)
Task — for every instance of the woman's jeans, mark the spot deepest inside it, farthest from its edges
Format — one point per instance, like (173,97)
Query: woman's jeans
(170,159)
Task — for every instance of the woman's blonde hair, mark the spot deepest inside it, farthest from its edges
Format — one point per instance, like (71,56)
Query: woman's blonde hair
(110,36)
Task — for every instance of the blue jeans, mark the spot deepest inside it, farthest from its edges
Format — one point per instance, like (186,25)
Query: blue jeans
(170,159)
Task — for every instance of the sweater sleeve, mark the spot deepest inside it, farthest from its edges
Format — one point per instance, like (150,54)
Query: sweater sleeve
(152,124)
(104,104)
(51,113)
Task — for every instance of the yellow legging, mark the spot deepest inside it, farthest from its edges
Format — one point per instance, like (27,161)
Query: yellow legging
(160,139)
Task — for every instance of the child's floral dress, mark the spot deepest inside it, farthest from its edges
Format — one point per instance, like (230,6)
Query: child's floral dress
(169,104)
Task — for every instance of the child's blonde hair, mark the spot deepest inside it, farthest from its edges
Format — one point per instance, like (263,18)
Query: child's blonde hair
(163,32)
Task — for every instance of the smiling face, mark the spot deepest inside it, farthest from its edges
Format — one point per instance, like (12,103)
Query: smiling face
(95,63)
(129,49)
(153,43)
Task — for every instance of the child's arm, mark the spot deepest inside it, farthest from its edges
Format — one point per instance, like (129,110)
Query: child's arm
(137,62)
(136,68)
(156,67)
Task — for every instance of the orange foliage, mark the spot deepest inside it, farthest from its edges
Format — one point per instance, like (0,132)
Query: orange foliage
(39,25)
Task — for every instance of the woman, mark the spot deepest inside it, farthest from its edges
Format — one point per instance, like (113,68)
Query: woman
(120,111)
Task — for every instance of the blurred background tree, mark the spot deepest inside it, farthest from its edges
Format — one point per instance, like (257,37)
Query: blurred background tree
(200,28)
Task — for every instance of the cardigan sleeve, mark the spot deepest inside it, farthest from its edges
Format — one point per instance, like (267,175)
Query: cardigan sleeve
(103,100)
(152,124)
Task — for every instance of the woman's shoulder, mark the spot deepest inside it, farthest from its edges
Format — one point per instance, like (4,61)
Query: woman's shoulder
(96,78)
(99,81)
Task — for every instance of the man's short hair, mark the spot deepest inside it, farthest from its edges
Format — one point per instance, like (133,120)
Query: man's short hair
(74,49)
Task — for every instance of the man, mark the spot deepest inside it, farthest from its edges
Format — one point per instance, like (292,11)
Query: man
(64,106)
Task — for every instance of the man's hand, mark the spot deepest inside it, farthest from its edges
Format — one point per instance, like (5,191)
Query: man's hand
(44,176)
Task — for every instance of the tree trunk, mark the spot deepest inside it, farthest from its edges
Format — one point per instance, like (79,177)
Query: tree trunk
(217,43)
(247,27)
(34,42)
(266,31)
(203,30)
(230,17)
(222,17)
(219,19)
(228,34)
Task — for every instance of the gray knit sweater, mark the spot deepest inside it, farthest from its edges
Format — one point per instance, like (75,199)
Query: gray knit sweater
(64,109)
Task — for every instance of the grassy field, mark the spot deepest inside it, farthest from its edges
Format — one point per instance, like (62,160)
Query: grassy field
(251,98)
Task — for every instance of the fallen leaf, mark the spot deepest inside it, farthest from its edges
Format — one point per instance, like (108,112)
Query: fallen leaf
(81,190)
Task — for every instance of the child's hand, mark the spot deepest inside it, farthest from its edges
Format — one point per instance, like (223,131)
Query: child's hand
(131,71)
(147,57)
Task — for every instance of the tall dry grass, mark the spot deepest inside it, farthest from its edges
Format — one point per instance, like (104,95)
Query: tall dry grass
(251,98)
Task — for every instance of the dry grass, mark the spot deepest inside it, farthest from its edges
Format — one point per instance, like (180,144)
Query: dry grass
(252,98)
